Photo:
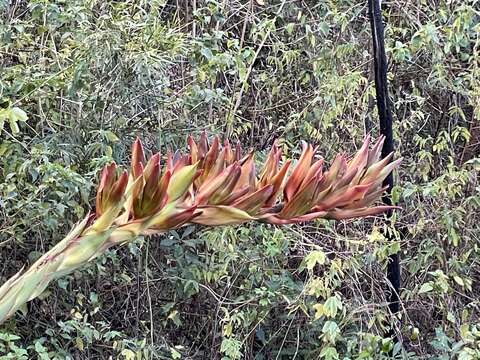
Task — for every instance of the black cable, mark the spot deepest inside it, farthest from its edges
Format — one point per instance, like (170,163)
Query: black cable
(385,116)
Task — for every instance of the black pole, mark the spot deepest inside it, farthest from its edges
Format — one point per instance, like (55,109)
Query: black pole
(385,116)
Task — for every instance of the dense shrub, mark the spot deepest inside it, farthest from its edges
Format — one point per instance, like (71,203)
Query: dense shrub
(91,75)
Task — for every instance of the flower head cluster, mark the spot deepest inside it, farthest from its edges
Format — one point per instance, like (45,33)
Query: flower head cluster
(214,184)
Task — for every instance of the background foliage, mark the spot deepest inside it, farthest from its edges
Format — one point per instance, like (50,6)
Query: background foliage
(80,79)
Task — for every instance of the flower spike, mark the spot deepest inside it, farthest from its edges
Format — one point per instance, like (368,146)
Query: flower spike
(211,185)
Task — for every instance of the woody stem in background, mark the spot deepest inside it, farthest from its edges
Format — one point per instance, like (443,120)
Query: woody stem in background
(385,117)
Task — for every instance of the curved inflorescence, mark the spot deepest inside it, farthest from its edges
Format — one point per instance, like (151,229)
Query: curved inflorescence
(209,185)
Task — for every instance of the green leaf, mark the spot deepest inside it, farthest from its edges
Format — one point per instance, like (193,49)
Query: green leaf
(19,114)
(128,354)
(458,280)
(111,136)
(319,311)
(329,353)
(427,287)
(207,53)
(332,305)
(175,354)
(13,115)
(314,258)
(14,126)
(331,331)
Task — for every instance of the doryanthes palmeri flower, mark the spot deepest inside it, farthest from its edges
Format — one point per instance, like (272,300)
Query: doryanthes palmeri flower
(211,184)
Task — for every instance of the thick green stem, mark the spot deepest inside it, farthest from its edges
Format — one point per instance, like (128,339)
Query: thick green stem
(76,249)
